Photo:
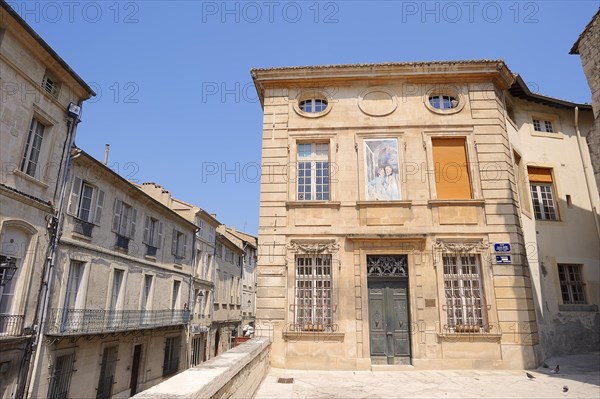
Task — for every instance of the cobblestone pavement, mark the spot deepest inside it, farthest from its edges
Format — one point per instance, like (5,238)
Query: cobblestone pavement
(580,373)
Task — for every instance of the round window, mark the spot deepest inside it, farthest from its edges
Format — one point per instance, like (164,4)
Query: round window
(439,101)
(313,105)
(445,101)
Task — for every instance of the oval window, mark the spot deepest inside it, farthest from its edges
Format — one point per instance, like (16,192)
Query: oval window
(313,105)
(439,101)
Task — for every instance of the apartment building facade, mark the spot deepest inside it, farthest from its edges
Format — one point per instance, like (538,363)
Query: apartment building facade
(117,316)
(250,245)
(227,305)
(558,202)
(390,229)
(203,271)
(41,103)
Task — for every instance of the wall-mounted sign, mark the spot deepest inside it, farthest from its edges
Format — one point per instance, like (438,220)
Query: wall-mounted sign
(503,260)
(501,247)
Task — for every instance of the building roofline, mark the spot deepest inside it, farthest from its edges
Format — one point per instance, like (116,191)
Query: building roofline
(496,70)
(575,47)
(4,5)
(244,237)
(200,210)
(155,202)
(519,89)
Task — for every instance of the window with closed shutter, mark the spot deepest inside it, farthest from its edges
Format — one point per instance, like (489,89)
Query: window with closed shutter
(452,180)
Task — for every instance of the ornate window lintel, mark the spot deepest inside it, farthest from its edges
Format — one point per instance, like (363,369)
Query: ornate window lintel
(460,246)
(314,247)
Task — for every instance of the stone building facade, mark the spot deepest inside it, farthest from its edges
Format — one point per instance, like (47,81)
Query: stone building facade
(227,304)
(558,206)
(250,244)
(36,129)
(588,48)
(390,230)
(203,271)
(116,320)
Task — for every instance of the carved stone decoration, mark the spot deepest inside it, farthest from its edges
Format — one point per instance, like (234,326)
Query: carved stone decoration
(327,247)
(461,247)
(387,266)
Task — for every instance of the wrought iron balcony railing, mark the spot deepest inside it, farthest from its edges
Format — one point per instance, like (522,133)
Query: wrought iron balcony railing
(95,321)
(11,325)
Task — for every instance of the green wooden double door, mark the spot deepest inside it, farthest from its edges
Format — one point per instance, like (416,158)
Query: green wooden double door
(389,325)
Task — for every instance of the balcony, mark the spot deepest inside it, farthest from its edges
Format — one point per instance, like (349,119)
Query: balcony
(94,321)
(11,325)
(122,242)
(83,228)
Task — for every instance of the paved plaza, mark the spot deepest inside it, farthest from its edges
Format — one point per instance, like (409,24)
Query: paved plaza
(580,373)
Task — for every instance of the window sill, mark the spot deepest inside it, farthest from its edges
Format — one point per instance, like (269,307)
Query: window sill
(81,237)
(470,337)
(152,258)
(556,135)
(401,203)
(312,204)
(314,336)
(459,202)
(31,179)
(577,308)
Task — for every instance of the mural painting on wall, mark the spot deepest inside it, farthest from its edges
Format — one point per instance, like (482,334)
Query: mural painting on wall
(382,170)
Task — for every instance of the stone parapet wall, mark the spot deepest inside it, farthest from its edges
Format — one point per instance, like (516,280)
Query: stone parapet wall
(236,373)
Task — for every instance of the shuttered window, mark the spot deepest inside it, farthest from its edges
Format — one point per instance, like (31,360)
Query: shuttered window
(451,168)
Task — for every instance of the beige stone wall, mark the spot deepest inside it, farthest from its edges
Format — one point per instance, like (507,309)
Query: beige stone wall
(27,202)
(411,226)
(589,51)
(573,239)
(100,257)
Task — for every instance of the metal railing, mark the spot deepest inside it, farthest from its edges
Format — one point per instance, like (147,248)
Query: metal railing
(11,325)
(95,321)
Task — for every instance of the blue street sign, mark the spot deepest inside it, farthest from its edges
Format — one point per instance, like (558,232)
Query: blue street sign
(503,260)
(501,247)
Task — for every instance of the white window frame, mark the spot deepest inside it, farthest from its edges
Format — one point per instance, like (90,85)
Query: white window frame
(124,222)
(33,154)
(211,234)
(153,232)
(317,159)
(179,244)
(546,208)
(76,199)
(200,228)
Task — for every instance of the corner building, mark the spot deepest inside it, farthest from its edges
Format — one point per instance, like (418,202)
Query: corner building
(384,190)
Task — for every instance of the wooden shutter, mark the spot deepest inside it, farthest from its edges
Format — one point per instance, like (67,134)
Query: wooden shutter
(117,215)
(74,197)
(174,243)
(160,235)
(99,205)
(146,230)
(184,252)
(539,175)
(133,220)
(451,168)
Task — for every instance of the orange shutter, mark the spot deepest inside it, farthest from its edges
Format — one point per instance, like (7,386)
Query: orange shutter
(451,168)
(539,175)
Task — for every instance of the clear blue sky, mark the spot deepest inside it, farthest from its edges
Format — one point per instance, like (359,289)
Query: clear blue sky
(159,68)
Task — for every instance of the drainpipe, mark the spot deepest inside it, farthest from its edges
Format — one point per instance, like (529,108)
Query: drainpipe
(585,172)
(46,288)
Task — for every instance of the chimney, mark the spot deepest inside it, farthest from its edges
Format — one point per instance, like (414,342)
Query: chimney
(106,149)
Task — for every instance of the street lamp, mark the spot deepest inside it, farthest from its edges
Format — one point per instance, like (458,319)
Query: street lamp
(8,268)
